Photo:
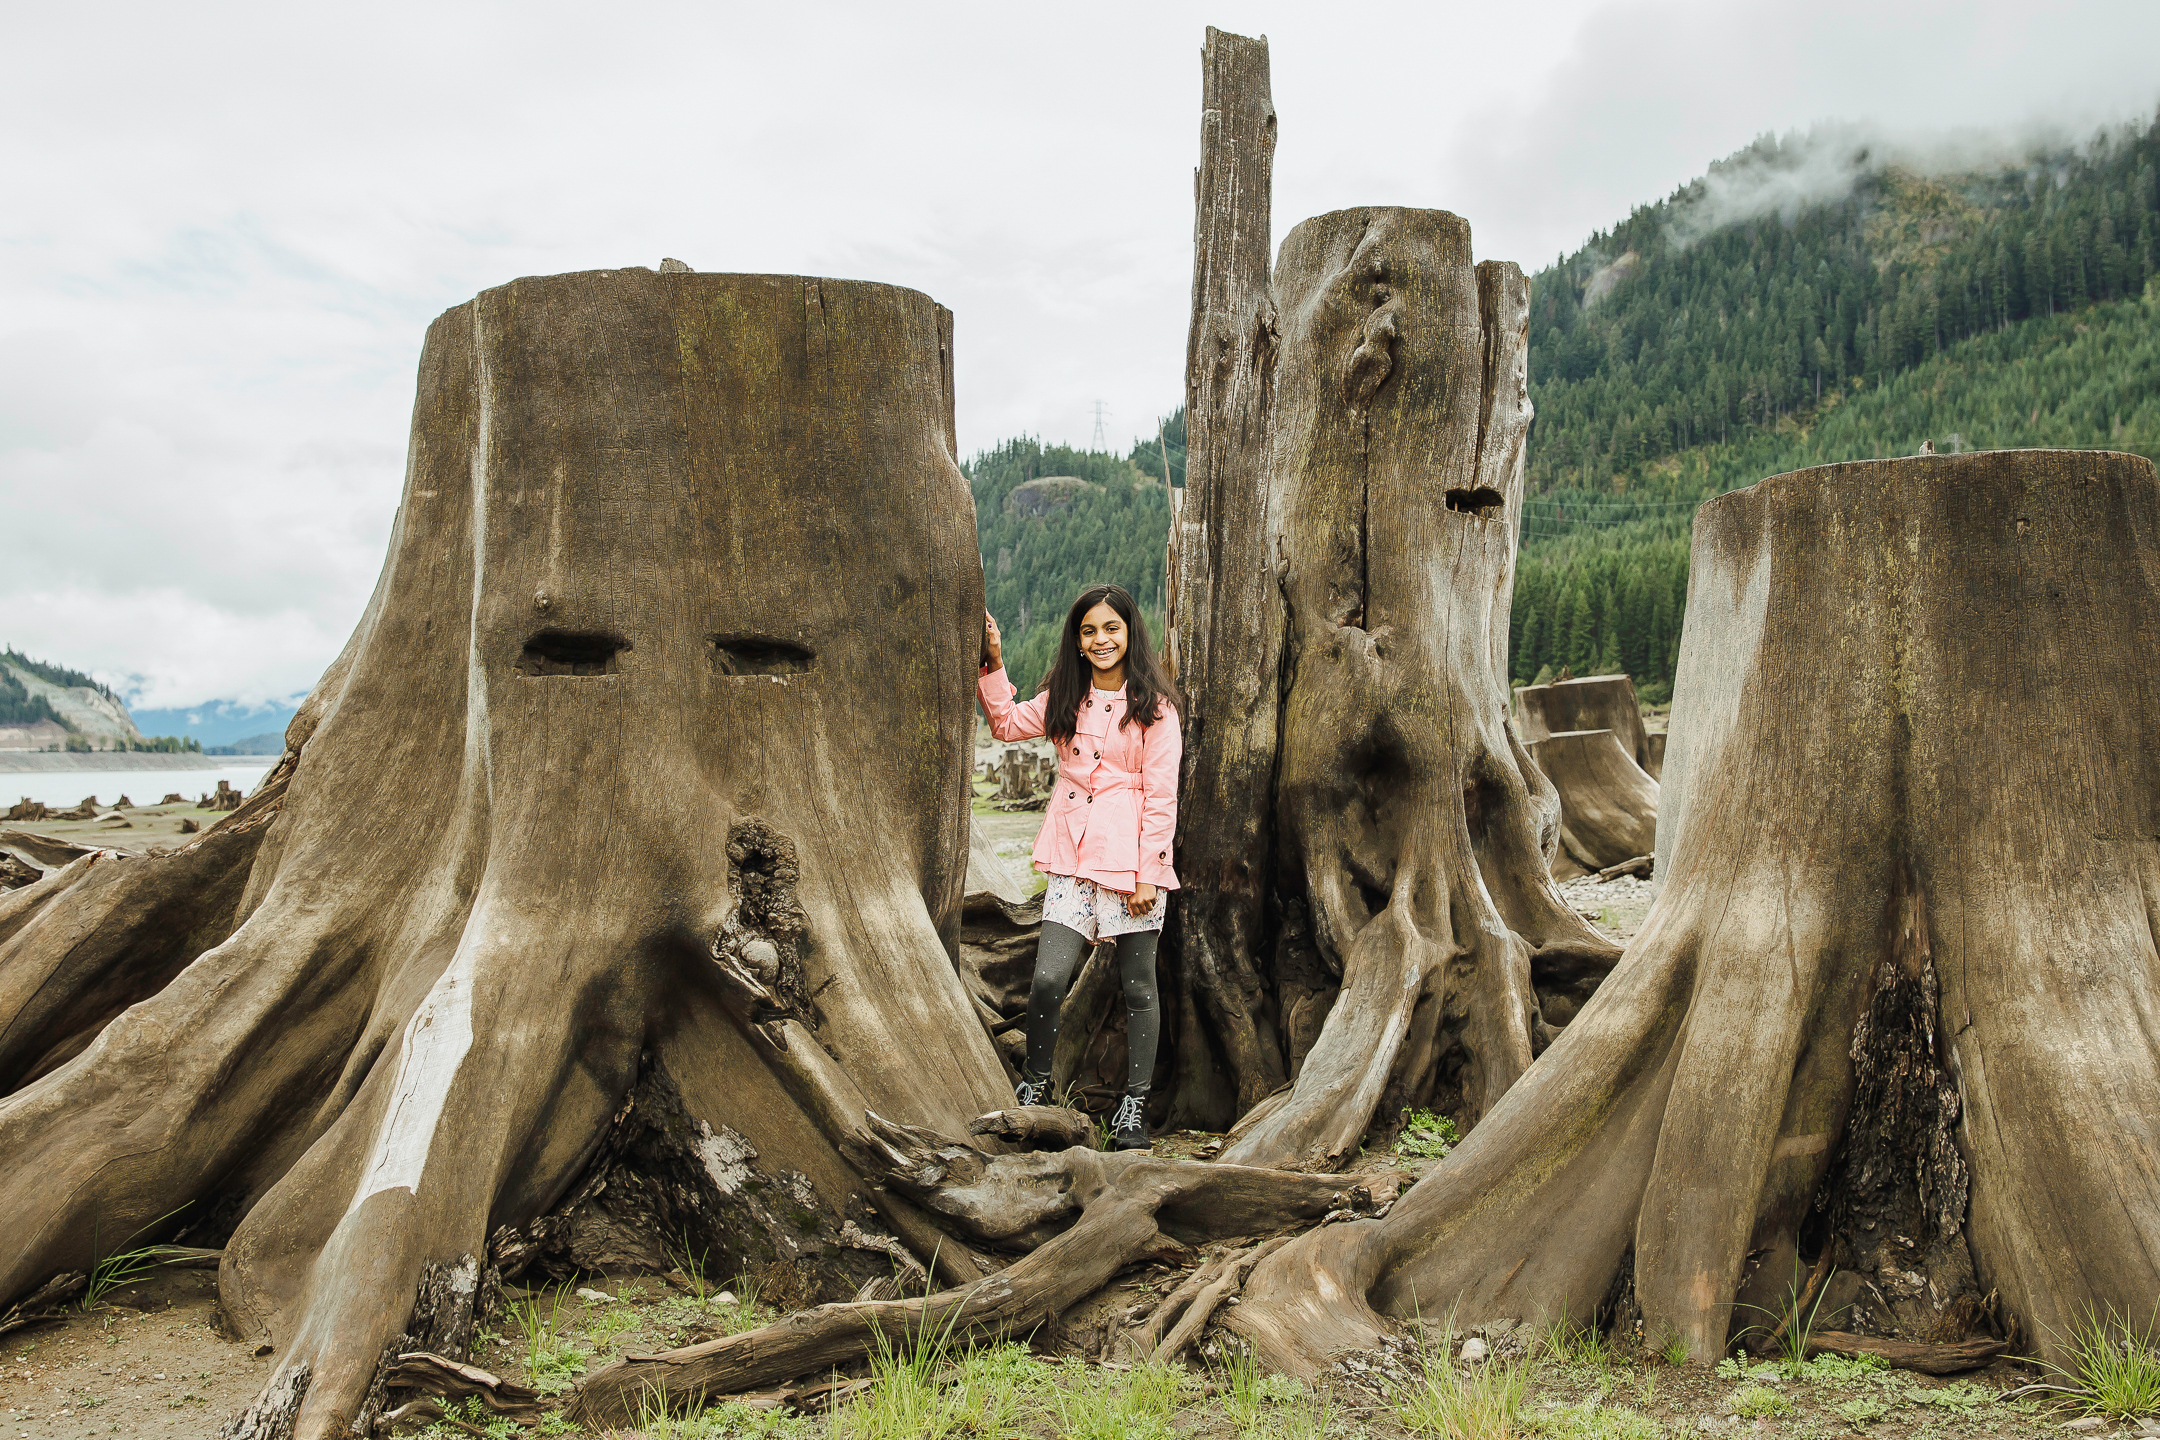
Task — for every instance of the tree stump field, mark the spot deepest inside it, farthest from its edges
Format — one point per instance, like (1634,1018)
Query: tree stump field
(608,921)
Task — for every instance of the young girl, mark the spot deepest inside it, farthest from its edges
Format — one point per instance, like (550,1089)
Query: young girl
(1105,842)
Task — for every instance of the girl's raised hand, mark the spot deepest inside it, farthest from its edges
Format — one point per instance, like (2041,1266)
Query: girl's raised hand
(993,647)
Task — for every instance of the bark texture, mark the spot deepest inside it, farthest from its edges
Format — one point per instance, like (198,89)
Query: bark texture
(1363,841)
(615,844)
(1891,1007)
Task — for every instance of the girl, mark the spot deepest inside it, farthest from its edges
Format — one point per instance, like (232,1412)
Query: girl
(1105,841)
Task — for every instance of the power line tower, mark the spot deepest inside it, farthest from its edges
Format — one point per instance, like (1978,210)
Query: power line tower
(1100,440)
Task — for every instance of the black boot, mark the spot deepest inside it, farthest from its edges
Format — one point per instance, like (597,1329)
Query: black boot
(1128,1127)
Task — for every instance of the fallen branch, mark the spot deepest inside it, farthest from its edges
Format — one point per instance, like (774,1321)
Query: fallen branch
(1905,1355)
(439,1377)
(1639,867)
(48,1302)
(1036,1127)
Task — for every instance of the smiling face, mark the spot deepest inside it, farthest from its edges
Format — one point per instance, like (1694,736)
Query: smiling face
(1103,640)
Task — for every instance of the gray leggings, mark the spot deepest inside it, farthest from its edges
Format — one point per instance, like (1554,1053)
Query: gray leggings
(1056,955)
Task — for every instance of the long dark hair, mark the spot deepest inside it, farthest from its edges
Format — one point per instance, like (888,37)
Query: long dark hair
(1071,676)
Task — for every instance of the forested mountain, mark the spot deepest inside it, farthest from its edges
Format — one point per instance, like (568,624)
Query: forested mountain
(1043,541)
(1673,359)
(1707,342)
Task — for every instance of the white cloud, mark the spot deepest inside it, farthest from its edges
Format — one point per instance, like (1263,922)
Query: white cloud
(229,224)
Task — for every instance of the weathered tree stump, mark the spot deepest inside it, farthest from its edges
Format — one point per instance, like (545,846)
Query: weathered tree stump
(1593,702)
(580,918)
(1877,1014)
(1608,804)
(1363,842)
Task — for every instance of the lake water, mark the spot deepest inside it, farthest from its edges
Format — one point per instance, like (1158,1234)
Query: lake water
(144,787)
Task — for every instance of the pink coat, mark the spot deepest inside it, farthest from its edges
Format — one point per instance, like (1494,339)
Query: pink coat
(1115,805)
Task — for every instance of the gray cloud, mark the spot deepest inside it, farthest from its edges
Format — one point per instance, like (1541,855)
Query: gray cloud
(230,224)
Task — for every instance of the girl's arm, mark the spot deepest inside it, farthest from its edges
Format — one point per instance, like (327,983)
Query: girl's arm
(1161,745)
(1008,721)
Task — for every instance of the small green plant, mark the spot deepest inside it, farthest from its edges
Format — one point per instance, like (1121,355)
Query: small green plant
(1959,1397)
(1847,1371)
(123,1267)
(1111,1405)
(689,1260)
(1426,1136)
(1675,1352)
(1570,1343)
(1240,1382)
(1304,1414)
(552,1362)
(2114,1367)
(1860,1412)
(1479,1402)
(1795,1316)
(470,1417)
(1592,1421)
(1759,1402)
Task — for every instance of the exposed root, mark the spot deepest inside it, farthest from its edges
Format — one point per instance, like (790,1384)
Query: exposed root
(1228,1279)
(271,1415)
(1132,1207)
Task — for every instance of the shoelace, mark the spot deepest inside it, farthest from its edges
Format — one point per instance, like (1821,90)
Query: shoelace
(1029,1092)
(1129,1114)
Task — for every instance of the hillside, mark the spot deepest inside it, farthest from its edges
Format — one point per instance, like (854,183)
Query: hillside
(1673,359)
(1051,521)
(50,707)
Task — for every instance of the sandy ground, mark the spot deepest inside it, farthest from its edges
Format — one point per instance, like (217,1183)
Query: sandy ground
(145,1363)
(1615,906)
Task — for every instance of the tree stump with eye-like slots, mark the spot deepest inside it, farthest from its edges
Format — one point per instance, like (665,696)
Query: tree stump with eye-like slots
(612,879)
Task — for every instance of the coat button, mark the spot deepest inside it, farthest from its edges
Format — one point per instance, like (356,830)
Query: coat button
(1091,799)
(1072,794)
(1162,854)
(1098,754)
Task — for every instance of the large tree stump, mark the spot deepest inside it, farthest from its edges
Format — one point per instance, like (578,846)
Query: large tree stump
(1593,702)
(614,873)
(1363,842)
(1886,1010)
(1608,804)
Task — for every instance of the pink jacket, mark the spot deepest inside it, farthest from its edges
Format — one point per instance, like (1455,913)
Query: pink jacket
(1114,808)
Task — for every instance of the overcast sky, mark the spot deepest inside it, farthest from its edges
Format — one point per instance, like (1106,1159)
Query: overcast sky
(225,227)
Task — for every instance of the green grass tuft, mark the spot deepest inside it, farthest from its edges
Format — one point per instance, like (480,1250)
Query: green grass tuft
(1426,1136)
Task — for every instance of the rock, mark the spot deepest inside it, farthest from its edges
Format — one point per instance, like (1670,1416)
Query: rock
(2089,1422)
(586,1292)
(1474,1351)
(672,266)
(725,1297)
(190,827)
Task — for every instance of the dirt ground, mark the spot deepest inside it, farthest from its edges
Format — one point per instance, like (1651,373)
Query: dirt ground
(147,1363)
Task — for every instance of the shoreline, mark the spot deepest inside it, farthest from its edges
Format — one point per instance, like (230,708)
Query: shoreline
(49,762)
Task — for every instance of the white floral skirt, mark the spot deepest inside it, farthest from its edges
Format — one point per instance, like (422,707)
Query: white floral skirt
(1097,913)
